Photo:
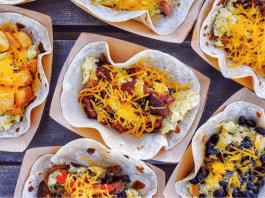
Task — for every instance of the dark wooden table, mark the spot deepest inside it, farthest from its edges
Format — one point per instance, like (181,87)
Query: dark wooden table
(68,22)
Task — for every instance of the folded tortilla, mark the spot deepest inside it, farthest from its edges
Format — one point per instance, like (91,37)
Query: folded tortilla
(39,35)
(165,25)
(231,113)
(207,46)
(73,151)
(143,148)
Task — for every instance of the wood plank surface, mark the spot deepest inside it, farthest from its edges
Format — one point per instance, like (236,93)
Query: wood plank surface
(68,22)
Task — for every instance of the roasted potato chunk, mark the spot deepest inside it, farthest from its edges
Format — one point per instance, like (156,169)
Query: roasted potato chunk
(8,27)
(15,111)
(23,77)
(23,38)
(4,43)
(14,42)
(32,65)
(23,96)
(7,99)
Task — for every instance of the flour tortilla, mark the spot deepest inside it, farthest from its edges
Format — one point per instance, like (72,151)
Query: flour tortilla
(231,113)
(237,72)
(13,2)
(103,156)
(143,148)
(39,35)
(165,25)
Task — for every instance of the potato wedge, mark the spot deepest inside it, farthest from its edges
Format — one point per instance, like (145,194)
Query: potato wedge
(7,99)
(15,111)
(23,38)
(32,65)
(23,96)
(4,43)
(23,77)
(14,43)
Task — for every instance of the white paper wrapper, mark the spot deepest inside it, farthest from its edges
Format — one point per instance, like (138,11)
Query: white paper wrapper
(242,71)
(104,157)
(165,25)
(150,144)
(231,113)
(39,35)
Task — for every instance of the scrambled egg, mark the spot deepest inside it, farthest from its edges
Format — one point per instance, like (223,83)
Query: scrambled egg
(31,52)
(89,68)
(184,102)
(6,121)
(131,193)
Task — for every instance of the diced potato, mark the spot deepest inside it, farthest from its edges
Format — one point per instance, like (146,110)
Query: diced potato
(23,77)
(23,38)
(14,43)
(15,111)
(8,27)
(23,96)
(4,43)
(32,65)
(7,99)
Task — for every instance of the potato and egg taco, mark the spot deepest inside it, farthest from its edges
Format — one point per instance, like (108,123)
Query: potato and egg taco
(229,155)
(86,168)
(233,32)
(162,16)
(23,84)
(140,106)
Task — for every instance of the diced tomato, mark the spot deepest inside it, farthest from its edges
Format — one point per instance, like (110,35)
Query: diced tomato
(62,178)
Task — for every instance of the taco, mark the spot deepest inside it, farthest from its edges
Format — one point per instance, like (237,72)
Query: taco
(233,32)
(134,105)
(229,155)
(162,16)
(23,85)
(86,168)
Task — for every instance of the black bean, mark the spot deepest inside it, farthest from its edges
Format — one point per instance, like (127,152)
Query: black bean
(247,139)
(261,183)
(244,180)
(229,173)
(260,169)
(209,152)
(250,184)
(251,177)
(260,131)
(203,171)
(202,196)
(226,155)
(235,193)
(218,193)
(194,181)
(251,123)
(256,152)
(223,183)
(240,147)
(242,120)
(253,195)
(246,145)
(262,157)
(245,194)
(244,158)
(214,138)
(200,177)
(209,145)
(122,195)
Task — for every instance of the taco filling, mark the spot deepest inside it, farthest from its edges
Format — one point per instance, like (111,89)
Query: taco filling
(154,7)
(234,162)
(136,99)
(18,73)
(74,180)
(238,29)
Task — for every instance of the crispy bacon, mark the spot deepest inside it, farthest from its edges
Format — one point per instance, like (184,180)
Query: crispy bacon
(90,110)
(160,107)
(43,191)
(128,87)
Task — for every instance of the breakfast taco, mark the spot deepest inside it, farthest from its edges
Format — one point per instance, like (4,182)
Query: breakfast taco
(229,155)
(86,168)
(233,32)
(23,84)
(140,106)
(162,16)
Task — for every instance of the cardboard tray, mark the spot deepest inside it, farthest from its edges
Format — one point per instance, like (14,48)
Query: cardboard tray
(33,154)
(19,144)
(195,44)
(121,51)
(138,28)
(186,164)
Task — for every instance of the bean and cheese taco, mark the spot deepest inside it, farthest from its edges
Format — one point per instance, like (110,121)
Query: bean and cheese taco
(162,16)
(23,85)
(86,168)
(233,32)
(140,106)
(229,155)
